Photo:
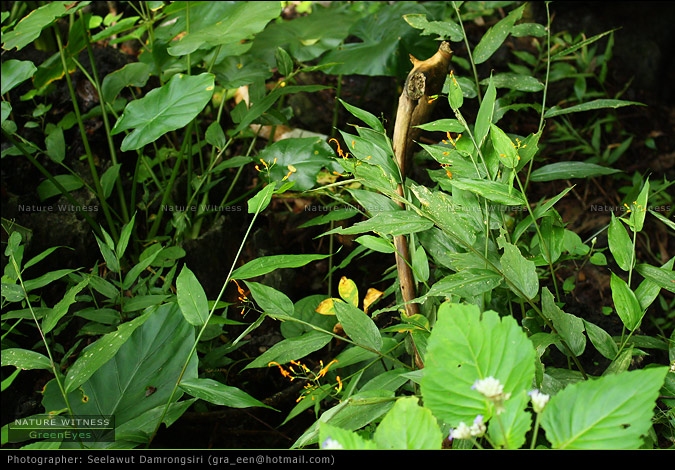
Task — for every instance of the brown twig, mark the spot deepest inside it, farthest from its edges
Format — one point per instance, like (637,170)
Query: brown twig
(415,105)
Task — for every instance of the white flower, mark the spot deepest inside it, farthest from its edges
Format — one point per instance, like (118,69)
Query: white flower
(461,432)
(539,400)
(465,432)
(489,387)
(331,443)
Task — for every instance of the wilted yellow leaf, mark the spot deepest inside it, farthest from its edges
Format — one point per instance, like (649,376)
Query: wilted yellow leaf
(372,296)
(348,291)
(326,307)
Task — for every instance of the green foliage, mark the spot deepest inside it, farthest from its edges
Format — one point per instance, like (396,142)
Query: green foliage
(494,339)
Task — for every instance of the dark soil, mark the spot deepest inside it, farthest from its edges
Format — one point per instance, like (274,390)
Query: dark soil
(643,53)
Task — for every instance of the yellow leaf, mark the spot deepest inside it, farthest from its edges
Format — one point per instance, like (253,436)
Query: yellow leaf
(348,291)
(326,307)
(372,296)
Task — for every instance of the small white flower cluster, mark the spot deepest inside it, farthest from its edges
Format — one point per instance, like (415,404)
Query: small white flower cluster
(493,390)
(539,400)
(465,432)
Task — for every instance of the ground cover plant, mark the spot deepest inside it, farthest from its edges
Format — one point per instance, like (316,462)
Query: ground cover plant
(248,234)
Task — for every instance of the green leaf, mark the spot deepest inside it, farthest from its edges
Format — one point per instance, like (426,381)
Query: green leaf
(492,190)
(504,147)
(191,298)
(568,170)
(100,352)
(466,345)
(333,437)
(299,160)
(164,109)
(111,260)
(388,223)
(514,423)
(358,326)
(125,235)
(108,179)
(485,114)
(568,326)
(135,74)
(626,304)
(495,36)
(24,359)
(518,271)
(370,119)
(284,62)
(602,340)
(15,72)
(270,300)
(264,265)
(292,349)
(220,394)
(590,106)
(466,283)
(446,29)
(45,279)
(639,209)
(516,81)
(61,308)
(620,244)
(377,244)
(216,136)
(137,376)
(408,426)
(261,200)
(30,26)
(48,189)
(663,277)
(618,410)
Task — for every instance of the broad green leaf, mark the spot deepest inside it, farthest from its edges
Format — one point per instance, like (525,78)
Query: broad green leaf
(15,72)
(61,308)
(215,136)
(141,302)
(149,256)
(446,29)
(569,170)
(373,202)
(621,362)
(602,340)
(299,160)
(284,61)
(164,109)
(273,302)
(590,106)
(495,36)
(220,394)
(100,352)
(224,24)
(137,376)
(111,260)
(492,190)
(568,326)
(134,74)
(560,55)
(519,272)
(292,349)
(264,265)
(455,93)
(618,410)
(25,359)
(626,304)
(443,125)
(648,290)
(32,284)
(358,326)
(388,223)
(465,346)
(620,244)
(29,28)
(552,238)
(49,188)
(408,426)
(191,298)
